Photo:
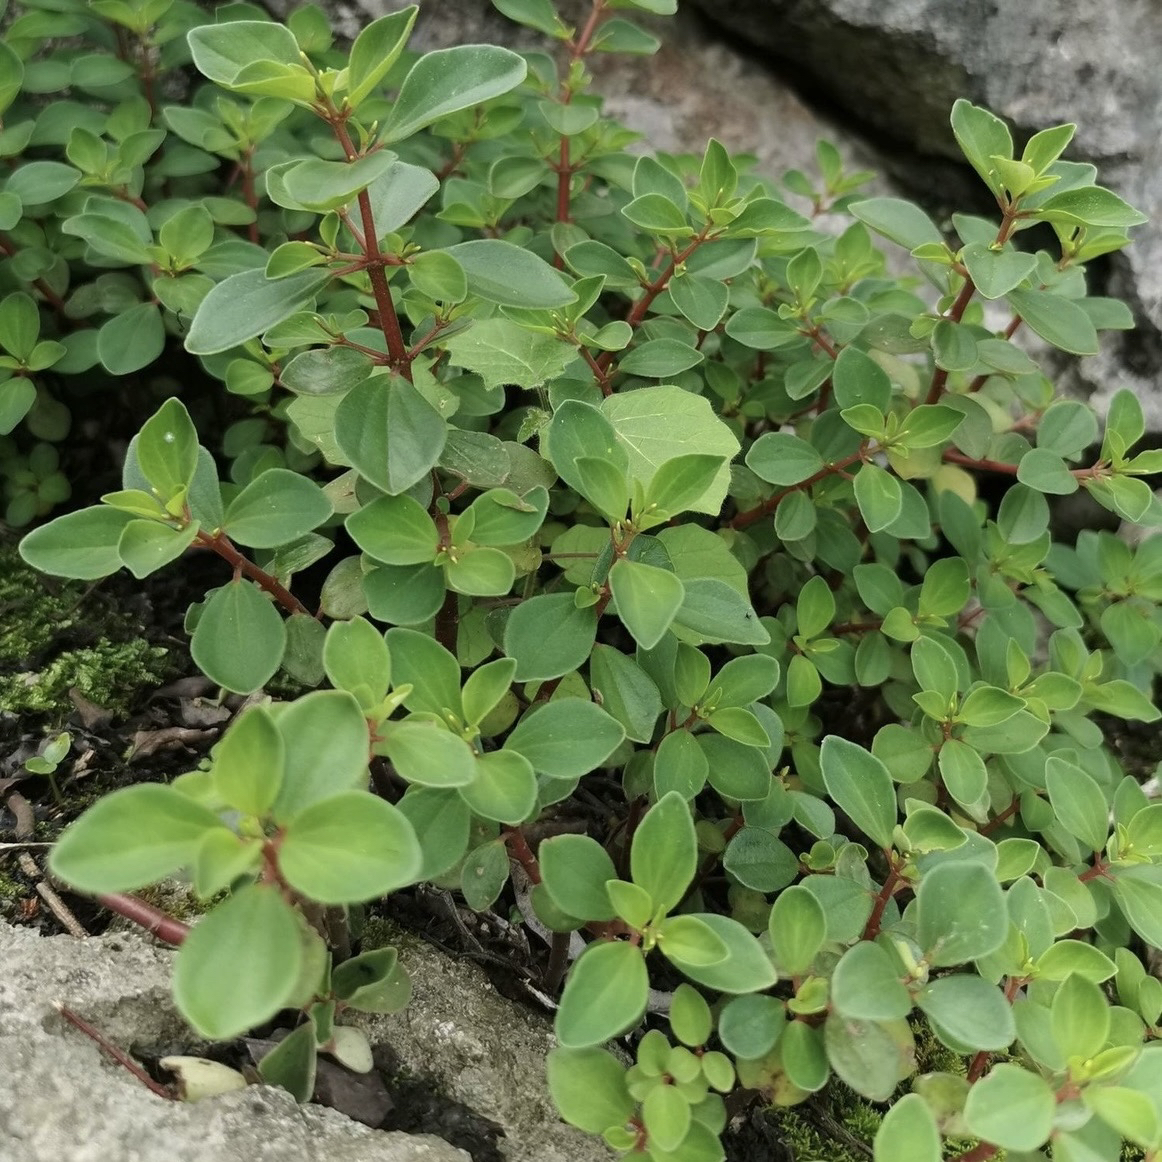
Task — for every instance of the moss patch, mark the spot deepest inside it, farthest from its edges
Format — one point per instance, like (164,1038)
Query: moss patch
(55,636)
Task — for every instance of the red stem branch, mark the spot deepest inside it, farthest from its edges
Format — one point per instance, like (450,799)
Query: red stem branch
(119,1055)
(221,544)
(146,916)
(743,519)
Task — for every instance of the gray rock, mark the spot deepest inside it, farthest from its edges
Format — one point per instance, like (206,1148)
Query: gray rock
(485,1051)
(62,1100)
(894,67)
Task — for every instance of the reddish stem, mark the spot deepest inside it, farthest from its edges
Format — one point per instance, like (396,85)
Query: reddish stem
(960,304)
(376,262)
(997,820)
(119,1055)
(872,928)
(522,853)
(743,519)
(146,916)
(979,1153)
(47,293)
(221,544)
(651,290)
(954,457)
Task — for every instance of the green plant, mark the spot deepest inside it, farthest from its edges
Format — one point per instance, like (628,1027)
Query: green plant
(648,474)
(52,754)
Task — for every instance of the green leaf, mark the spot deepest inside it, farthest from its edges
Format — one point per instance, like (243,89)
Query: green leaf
(566,738)
(11,76)
(746,967)
(901,221)
(292,1063)
(1079,1017)
(625,691)
(740,724)
(348,848)
(981,137)
(146,546)
(749,1026)
(1057,320)
(603,484)
(130,838)
(647,599)
(502,273)
(390,433)
(866,984)
(575,870)
(798,927)
(248,763)
(879,497)
(355,659)
(396,530)
(1092,206)
(702,300)
(1138,892)
(549,636)
(960,913)
(480,572)
(325,741)
(1078,802)
(377,47)
(605,995)
(680,482)
(864,1055)
(132,340)
(989,706)
(588,1085)
(81,545)
(680,765)
(744,680)
(760,861)
(1011,1108)
(484,874)
(441,821)
(655,213)
(861,786)
(240,963)
(167,449)
(275,508)
(500,517)
(908,1130)
(426,754)
(432,672)
(814,607)
(239,639)
(448,80)
(223,52)
(660,359)
(1045,471)
(657,424)
(485,687)
(318,185)
(36,183)
(541,15)
(714,611)
(997,272)
(503,352)
(968,1010)
(686,940)
(783,459)
(244,305)
(664,853)
(1131,1113)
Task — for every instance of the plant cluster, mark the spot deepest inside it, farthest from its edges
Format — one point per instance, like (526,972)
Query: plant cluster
(627,475)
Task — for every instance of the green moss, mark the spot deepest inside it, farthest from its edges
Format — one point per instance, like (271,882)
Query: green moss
(108,673)
(35,609)
(110,668)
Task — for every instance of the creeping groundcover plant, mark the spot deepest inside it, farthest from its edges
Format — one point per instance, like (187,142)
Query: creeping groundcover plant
(623,476)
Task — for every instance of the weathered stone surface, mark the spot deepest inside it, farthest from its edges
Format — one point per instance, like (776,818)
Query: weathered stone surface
(61,1100)
(896,66)
(486,1051)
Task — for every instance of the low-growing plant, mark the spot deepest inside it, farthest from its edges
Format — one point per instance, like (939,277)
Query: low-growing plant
(630,476)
